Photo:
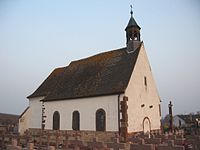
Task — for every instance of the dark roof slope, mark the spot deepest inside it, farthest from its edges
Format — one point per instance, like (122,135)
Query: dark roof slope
(103,74)
(49,84)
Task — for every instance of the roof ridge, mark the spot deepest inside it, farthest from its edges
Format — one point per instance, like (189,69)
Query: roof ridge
(99,54)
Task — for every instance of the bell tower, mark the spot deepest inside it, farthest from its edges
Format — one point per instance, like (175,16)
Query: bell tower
(132,33)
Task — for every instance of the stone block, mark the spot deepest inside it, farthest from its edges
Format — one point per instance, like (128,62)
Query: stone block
(96,145)
(179,141)
(7,139)
(179,136)
(10,147)
(52,148)
(170,148)
(170,143)
(171,137)
(193,143)
(116,145)
(153,141)
(162,137)
(30,146)
(14,142)
(75,144)
(142,147)
(137,140)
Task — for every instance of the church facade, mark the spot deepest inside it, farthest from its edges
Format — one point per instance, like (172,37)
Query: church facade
(111,91)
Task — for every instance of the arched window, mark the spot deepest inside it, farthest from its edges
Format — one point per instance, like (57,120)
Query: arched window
(146,125)
(76,121)
(56,120)
(100,120)
(135,36)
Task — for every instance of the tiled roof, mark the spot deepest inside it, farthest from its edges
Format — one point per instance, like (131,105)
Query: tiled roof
(49,84)
(103,74)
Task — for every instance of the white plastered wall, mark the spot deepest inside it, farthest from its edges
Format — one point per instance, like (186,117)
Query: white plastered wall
(138,95)
(87,108)
(35,112)
(24,122)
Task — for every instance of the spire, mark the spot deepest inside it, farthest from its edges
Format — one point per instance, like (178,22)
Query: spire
(132,22)
(132,33)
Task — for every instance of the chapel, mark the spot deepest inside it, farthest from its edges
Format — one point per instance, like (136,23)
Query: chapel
(112,91)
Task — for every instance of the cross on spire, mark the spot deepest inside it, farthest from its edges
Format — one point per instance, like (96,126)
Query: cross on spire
(131,10)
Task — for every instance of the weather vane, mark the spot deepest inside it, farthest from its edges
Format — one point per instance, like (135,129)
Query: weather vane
(131,10)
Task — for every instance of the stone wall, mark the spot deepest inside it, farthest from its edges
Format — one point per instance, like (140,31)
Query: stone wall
(83,135)
(69,140)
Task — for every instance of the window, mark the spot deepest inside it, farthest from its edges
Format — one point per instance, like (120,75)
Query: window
(100,120)
(135,37)
(76,121)
(145,81)
(56,120)
(159,109)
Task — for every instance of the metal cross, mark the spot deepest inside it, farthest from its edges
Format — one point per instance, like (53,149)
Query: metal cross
(131,9)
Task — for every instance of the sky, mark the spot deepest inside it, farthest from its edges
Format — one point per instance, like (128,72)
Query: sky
(37,36)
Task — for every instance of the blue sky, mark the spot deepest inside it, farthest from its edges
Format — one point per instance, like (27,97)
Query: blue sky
(39,35)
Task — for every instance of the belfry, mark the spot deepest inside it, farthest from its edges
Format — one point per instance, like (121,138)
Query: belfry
(132,33)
